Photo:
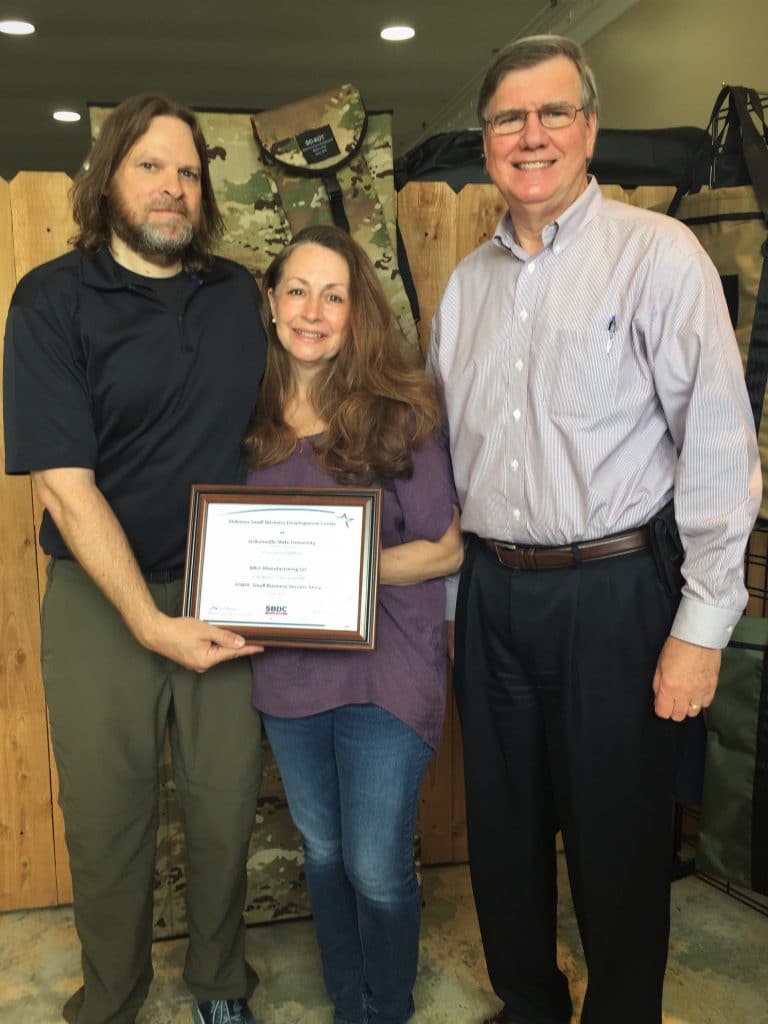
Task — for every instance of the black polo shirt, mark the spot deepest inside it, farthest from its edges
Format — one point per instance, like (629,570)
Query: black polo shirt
(101,373)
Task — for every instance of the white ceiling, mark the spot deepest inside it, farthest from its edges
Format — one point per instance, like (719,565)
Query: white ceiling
(250,55)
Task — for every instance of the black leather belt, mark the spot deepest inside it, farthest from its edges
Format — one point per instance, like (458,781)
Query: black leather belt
(163,575)
(521,556)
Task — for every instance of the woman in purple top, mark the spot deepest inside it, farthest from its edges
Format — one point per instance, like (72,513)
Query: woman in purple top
(352,731)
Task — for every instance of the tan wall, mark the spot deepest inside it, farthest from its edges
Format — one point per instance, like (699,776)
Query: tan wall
(662,63)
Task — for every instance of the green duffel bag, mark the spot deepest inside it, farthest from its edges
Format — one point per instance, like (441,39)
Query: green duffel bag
(733,839)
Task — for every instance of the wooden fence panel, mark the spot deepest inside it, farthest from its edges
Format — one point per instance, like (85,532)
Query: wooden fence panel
(439,228)
(27,862)
(480,208)
(426,213)
(43,226)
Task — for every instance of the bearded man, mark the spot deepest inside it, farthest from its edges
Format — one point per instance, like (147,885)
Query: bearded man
(131,368)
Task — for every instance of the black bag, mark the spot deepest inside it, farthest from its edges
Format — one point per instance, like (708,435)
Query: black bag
(454,157)
(660,156)
(664,156)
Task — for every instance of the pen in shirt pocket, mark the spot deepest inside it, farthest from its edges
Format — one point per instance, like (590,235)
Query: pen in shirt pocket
(611,332)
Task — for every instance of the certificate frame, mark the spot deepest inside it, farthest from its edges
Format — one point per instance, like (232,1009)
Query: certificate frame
(243,512)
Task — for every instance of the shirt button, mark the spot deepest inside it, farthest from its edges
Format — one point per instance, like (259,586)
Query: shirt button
(516,414)
(515,513)
(523,315)
(519,365)
(531,267)
(515,465)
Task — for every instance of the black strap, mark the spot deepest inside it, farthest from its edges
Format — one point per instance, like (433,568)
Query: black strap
(760,792)
(754,146)
(756,371)
(340,219)
(405,272)
(336,199)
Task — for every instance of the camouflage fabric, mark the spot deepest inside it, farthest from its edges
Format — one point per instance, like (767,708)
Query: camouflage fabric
(263,206)
(316,134)
(256,228)
(276,886)
(330,132)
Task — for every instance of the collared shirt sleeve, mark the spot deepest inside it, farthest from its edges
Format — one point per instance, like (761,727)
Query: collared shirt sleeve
(700,385)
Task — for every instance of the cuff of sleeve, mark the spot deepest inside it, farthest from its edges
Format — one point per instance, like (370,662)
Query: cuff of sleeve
(451,593)
(702,624)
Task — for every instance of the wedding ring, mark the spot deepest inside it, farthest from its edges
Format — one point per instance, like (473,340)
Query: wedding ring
(694,707)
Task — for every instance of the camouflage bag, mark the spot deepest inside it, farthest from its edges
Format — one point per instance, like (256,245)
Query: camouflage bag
(330,161)
(264,205)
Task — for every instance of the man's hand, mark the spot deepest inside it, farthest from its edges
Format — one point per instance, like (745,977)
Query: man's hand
(97,540)
(197,645)
(685,679)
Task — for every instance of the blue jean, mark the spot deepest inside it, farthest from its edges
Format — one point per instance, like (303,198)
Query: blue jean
(352,777)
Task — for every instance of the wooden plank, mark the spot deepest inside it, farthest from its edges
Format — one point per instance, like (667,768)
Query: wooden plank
(42,221)
(437,796)
(42,225)
(27,871)
(652,197)
(459,851)
(480,208)
(426,215)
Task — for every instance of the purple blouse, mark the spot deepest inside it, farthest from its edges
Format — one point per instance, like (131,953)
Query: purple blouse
(405,674)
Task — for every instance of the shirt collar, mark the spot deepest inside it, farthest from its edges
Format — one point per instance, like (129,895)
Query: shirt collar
(102,271)
(562,230)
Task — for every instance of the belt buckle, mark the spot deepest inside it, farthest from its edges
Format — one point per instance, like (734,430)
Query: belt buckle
(503,547)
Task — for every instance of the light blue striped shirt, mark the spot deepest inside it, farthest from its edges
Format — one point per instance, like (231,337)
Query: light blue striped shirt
(585,383)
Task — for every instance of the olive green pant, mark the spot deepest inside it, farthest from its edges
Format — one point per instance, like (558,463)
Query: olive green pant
(110,701)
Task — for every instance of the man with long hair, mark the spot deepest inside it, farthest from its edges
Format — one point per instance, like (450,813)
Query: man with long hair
(131,369)
(590,376)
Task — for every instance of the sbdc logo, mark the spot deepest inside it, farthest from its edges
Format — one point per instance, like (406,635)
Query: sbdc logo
(276,609)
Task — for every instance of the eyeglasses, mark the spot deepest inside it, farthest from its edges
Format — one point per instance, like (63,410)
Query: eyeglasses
(551,117)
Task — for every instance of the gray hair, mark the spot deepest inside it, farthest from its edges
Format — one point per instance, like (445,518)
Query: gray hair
(527,53)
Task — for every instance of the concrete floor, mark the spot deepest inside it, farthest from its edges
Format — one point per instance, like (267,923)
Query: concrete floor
(718,968)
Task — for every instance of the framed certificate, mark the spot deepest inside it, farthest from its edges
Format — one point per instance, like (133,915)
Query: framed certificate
(285,566)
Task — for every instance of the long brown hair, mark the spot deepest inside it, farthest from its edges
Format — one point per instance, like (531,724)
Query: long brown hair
(122,128)
(377,407)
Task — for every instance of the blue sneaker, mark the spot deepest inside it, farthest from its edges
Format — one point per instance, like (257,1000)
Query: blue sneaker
(223,1011)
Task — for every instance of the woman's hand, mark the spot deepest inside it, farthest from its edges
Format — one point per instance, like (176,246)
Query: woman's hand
(419,560)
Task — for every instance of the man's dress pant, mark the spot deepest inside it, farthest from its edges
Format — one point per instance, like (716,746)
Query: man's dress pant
(553,682)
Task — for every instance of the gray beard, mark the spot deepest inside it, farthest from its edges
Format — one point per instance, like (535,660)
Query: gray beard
(149,241)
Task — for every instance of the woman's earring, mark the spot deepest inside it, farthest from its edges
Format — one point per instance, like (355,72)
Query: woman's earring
(273,320)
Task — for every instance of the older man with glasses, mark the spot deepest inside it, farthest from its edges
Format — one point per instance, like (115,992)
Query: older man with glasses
(606,462)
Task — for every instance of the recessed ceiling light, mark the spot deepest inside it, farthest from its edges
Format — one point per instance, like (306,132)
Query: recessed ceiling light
(396,33)
(17,28)
(69,116)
